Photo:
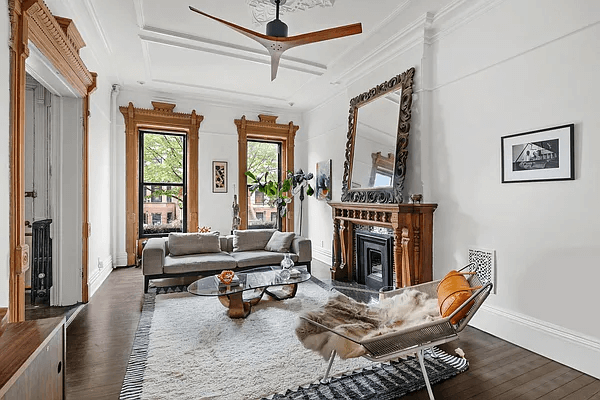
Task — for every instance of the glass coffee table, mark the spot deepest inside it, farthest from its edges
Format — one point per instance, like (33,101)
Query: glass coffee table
(254,283)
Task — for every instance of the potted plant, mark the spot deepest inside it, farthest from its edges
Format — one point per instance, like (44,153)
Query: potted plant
(277,193)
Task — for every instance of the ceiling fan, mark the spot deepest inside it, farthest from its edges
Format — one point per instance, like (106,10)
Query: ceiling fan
(276,41)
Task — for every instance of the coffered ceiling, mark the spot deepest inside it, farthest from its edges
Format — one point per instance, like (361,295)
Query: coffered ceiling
(162,46)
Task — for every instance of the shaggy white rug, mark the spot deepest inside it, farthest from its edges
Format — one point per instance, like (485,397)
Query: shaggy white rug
(197,352)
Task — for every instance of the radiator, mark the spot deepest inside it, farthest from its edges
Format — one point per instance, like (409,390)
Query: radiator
(41,261)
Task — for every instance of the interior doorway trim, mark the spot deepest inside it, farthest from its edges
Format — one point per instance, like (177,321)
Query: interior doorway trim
(161,118)
(266,128)
(59,41)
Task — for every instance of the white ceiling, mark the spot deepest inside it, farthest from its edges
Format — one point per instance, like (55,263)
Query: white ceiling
(164,47)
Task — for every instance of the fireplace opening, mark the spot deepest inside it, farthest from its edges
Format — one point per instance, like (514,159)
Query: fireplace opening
(374,259)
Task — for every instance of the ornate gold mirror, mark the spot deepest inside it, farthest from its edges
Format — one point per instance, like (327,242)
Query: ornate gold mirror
(376,150)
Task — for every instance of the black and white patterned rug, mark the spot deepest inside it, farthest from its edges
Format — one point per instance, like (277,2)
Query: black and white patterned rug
(376,381)
(386,381)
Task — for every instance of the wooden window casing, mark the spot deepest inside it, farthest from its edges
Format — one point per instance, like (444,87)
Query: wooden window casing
(59,41)
(161,118)
(267,129)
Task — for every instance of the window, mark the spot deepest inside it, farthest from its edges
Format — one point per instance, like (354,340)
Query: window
(259,198)
(156,218)
(274,217)
(263,157)
(162,182)
(266,129)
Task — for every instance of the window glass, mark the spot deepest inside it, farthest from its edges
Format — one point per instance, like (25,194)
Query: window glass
(263,157)
(162,183)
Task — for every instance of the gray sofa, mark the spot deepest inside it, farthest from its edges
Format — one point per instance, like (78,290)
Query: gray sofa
(208,254)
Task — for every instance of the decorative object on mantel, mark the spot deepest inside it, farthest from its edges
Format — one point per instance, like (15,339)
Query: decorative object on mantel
(203,229)
(299,182)
(276,41)
(416,198)
(263,12)
(219,177)
(324,180)
(370,114)
(542,155)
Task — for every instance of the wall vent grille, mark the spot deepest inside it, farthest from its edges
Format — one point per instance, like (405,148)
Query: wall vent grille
(486,263)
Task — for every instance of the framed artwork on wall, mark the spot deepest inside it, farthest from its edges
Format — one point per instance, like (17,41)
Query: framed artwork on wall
(219,176)
(542,155)
(323,180)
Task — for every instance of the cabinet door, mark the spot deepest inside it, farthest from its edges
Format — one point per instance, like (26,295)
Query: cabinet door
(44,377)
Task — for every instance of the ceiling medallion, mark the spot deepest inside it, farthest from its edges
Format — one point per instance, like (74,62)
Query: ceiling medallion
(263,11)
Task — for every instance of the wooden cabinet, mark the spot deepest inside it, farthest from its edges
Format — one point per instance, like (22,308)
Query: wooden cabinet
(412,226)
(32,360)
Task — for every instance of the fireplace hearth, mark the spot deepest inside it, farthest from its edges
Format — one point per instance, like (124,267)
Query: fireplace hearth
(374,259)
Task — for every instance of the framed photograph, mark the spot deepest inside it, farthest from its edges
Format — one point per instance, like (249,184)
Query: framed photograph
(323,180)
(542,155)
(219,176)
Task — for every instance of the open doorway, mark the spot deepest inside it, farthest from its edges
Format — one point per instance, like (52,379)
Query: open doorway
(53,164)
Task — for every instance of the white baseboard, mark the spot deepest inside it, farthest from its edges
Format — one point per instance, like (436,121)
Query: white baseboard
(321,254)
(573,349)
(121,260)
(100,276)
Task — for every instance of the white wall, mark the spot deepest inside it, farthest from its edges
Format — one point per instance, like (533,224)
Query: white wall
(327,128)
(4,155)
(218,141)
(492,79)
(510,69)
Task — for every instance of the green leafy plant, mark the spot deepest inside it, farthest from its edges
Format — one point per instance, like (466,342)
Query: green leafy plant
(277,193)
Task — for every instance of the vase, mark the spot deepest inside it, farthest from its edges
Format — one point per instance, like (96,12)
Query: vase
(286,265)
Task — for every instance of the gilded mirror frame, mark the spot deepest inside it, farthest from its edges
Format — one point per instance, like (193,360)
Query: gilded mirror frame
(391,194)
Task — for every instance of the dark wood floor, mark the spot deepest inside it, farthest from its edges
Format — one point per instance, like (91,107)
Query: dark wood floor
(99,341)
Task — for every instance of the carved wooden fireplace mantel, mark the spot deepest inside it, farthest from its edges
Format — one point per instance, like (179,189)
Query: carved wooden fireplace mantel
(412,226)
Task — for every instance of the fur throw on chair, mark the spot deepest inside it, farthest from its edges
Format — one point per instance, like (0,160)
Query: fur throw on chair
(362,321)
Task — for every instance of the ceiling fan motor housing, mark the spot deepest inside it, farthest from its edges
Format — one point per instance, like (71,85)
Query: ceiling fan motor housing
(277,28)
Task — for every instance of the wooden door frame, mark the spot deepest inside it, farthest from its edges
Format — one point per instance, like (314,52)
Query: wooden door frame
(161,118)
(59,41)
(266,128)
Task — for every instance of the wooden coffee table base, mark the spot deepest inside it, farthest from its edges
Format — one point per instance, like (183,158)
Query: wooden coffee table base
(238,308)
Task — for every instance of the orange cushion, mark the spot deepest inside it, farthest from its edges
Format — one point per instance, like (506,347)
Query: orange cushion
(452,292)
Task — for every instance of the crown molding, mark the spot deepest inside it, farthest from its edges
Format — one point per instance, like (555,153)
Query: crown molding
(138,5)
(96,22)
(459,13)
(214,97)
(365,37)
(197,43)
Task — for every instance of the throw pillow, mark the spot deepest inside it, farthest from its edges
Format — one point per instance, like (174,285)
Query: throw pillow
(181,244)
(280,242)
(251,239)
(452,292)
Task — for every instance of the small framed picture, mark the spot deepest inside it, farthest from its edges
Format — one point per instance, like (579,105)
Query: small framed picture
(219,176)
(542,155)
(323,180)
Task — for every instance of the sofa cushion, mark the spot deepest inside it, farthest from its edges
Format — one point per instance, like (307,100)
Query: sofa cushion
(198,262)
(258,257)
(251,239)
(280,242)
(181,244)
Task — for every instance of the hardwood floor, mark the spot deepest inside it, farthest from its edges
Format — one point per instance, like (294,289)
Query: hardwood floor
(99,341)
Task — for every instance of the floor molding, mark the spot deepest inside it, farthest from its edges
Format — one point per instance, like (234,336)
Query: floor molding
(321,254)
(565,346)
(99,279)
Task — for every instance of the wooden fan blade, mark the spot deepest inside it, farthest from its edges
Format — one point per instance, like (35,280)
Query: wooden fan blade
(250,33)
(275,57)
(320,36)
